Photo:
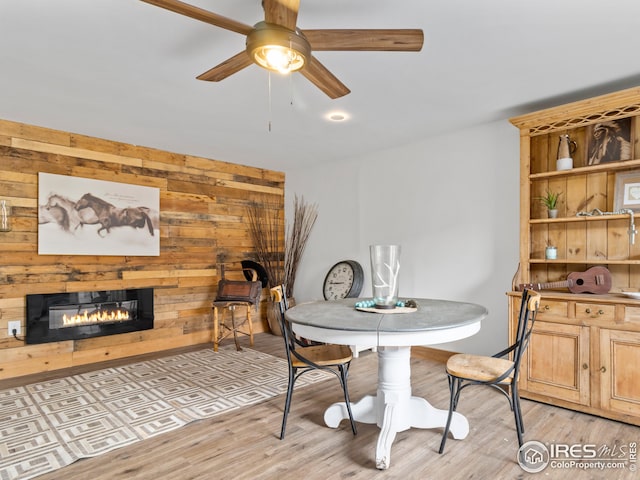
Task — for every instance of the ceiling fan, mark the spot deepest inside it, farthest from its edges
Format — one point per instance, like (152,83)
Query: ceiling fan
(277,44)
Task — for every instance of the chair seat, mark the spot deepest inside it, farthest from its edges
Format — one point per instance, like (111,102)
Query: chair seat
(229,303)
(323,355)
(478,367)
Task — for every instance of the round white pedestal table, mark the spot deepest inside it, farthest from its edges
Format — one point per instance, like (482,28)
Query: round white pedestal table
(392,408)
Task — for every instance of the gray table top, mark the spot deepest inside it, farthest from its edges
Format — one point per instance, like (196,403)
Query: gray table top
(431,314)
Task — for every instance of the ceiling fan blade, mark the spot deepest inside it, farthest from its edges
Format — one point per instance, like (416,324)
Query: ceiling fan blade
(227,68)
(202,15)
(387,40)
(281,12)
(322,78)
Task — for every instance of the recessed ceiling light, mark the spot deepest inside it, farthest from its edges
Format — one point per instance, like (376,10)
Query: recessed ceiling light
(337,116)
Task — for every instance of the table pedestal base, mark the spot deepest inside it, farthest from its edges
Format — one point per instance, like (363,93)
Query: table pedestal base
(393,408)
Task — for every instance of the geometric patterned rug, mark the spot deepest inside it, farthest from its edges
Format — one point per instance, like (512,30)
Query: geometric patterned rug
(48,425)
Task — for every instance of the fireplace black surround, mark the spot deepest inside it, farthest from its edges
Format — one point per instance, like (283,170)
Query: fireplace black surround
(57,317)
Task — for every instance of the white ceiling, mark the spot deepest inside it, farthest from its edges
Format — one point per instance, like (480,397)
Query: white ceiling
(125,70)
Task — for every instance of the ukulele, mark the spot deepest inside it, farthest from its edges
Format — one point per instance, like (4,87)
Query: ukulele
(596,280)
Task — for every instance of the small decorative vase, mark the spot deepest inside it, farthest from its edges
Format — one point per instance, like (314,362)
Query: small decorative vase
(553,213)
(551,253)
(566,147)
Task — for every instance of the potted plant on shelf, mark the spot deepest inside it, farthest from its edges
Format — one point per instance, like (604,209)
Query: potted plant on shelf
(550,200)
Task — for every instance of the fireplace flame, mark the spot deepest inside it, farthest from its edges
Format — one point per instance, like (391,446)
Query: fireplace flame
(95,317)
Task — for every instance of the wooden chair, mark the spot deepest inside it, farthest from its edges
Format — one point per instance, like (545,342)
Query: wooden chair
(464,370)
(232,296)
(331,358)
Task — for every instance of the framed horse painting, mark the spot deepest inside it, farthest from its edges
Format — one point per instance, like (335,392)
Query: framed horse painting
(83,216)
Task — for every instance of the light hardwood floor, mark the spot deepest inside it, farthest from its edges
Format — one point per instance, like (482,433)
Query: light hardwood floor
(244,444)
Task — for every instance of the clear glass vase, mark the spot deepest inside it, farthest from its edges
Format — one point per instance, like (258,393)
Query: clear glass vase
(385,269)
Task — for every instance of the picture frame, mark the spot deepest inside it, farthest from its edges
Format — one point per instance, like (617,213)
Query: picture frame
(609,141)
(84,216)
(627,191)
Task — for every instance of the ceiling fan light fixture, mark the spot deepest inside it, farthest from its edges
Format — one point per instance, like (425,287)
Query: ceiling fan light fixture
(278,58)
(277,49)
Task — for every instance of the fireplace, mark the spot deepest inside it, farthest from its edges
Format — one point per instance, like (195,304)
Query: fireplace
(57,317)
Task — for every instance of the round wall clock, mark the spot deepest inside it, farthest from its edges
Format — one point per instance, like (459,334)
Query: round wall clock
(344,280)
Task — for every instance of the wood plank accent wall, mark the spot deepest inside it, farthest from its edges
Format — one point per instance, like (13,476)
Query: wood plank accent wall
(202,223)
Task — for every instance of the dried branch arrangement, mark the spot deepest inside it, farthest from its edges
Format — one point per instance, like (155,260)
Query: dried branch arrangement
(265,227)
(304,217)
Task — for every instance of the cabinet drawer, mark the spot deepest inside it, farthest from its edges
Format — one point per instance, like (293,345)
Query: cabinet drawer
(632,315)
(552,308)
(589,311)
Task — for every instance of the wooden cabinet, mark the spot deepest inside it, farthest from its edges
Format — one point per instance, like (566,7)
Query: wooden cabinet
(585,349)
(584,361)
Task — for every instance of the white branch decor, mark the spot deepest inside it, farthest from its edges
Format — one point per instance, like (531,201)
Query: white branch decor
(393,276)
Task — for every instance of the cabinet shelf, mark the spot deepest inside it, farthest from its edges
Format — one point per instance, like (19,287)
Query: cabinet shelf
(591,218)
(604,167)
(561,261)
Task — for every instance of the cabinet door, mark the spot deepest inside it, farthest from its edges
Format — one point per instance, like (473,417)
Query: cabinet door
(556,364)
(620,359)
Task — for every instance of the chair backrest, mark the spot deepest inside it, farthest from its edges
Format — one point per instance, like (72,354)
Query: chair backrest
(238,291)
(279,296)
(526,319)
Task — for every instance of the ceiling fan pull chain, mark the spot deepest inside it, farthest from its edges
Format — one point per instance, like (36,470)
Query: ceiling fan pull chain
(269,83)
(291,89)
(291,78)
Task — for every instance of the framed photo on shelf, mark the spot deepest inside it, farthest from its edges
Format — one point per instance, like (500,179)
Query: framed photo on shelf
(627,193)
(609,141)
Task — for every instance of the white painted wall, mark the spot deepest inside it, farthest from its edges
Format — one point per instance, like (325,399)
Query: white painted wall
(451,202)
